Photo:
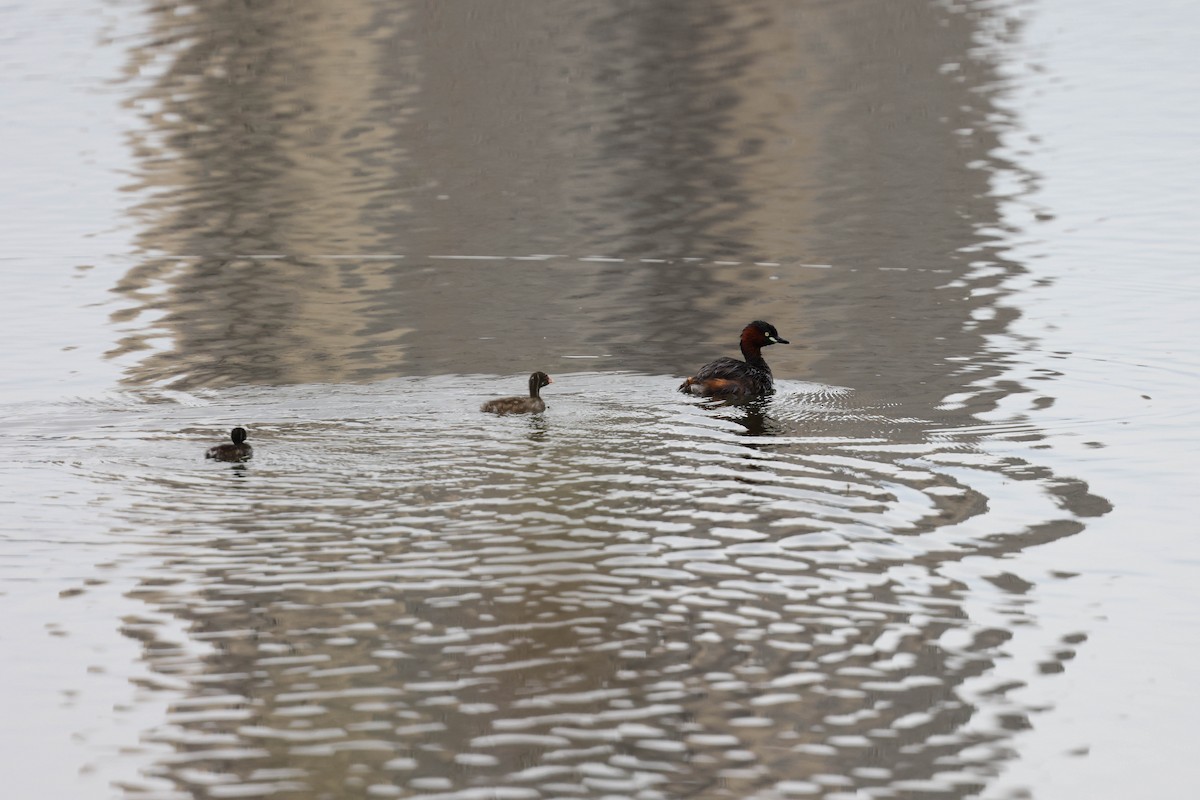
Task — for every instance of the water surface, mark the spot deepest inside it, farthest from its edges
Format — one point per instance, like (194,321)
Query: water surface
(344,226)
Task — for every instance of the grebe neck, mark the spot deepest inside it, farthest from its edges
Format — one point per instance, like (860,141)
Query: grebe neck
(753,355)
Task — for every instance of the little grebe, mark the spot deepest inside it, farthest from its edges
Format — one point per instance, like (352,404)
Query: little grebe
(533,404)
(238,451)
(730,379)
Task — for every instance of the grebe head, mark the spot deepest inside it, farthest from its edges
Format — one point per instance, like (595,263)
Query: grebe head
(238,435)
(536,381)
(762,334)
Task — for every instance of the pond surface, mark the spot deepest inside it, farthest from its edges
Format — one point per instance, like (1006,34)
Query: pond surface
(951,557)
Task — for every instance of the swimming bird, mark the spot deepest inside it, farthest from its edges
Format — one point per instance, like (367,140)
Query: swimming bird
(238,451)
(730,379)
(533,404)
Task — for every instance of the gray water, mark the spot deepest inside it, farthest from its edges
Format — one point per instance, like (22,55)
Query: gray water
(953,556)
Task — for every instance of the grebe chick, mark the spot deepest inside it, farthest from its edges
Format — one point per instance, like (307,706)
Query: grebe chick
(533,404)
(730,379)
(238,451)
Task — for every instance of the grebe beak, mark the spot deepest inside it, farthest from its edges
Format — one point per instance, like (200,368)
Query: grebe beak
(549,379)
(776,340)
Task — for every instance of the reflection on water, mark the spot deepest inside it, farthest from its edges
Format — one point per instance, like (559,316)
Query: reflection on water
(689,139)
(350,213)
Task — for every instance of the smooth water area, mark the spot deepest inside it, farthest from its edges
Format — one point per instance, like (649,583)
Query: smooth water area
(951,557)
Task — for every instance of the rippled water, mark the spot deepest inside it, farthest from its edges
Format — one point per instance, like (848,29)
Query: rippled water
(633,594)
(935,564)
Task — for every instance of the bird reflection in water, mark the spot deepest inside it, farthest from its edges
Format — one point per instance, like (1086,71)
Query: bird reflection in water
(753,415)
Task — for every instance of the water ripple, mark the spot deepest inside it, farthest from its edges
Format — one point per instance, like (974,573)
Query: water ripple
(654,598)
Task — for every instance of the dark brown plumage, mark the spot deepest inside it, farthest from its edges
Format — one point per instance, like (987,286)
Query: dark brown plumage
(730,379)
(238,451)
(533,404)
